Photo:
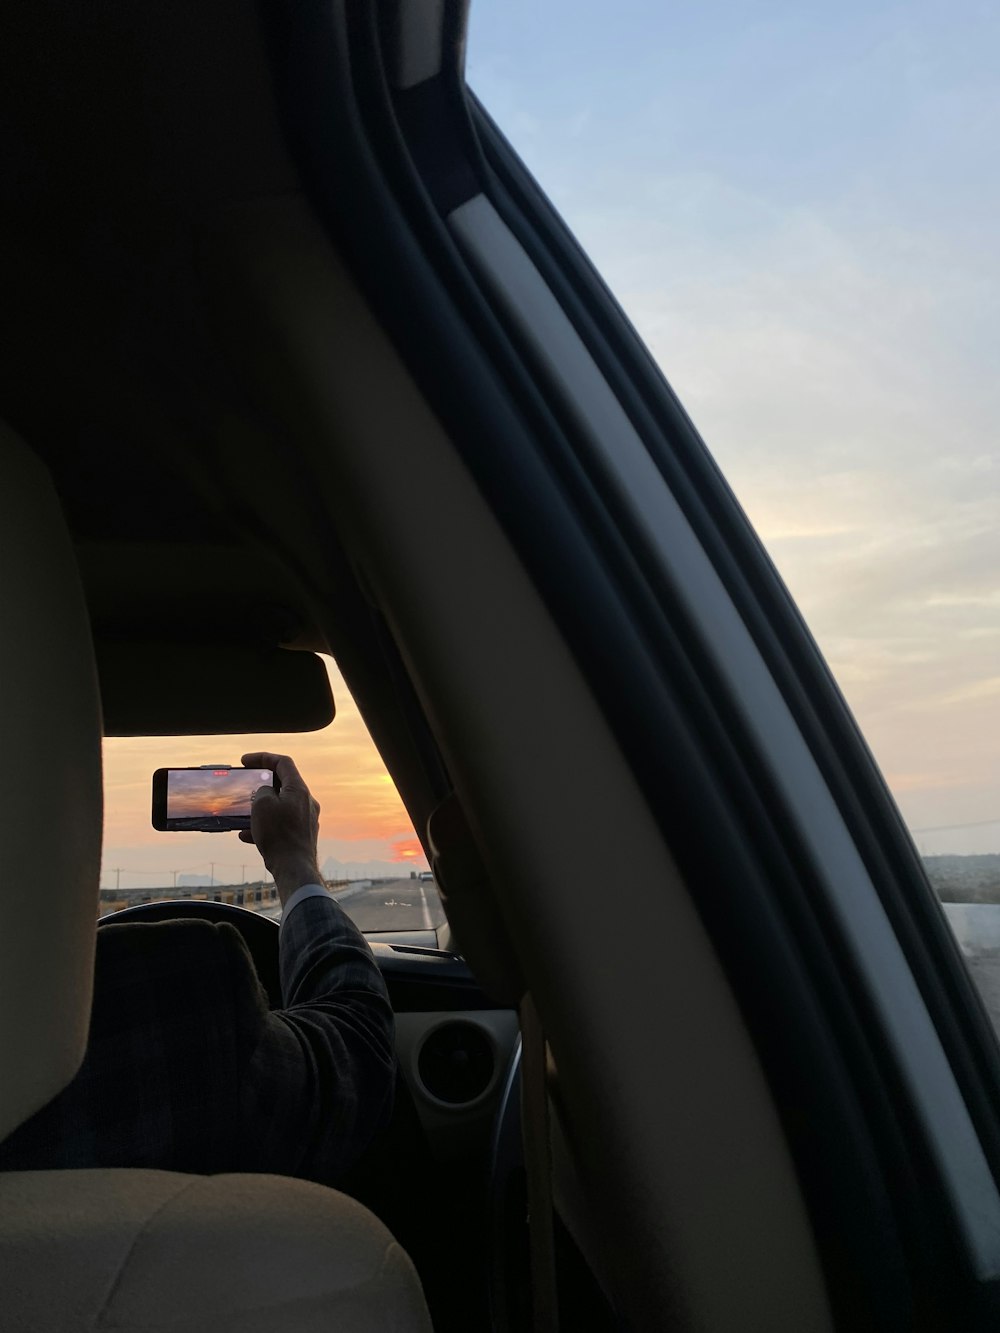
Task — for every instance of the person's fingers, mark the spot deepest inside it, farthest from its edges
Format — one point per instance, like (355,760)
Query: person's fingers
(246,836)
(284,768)
(263,803)
(260,759)
(284,819)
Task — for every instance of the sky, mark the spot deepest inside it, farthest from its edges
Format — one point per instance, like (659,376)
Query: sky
(362,820)
(796,205)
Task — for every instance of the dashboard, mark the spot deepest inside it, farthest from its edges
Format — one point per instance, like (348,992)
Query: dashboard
(455,1045)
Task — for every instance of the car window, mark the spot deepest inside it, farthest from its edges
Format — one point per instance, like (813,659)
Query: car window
(795,207)
(368,852)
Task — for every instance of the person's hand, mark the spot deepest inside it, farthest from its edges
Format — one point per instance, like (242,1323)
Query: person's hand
(284,825)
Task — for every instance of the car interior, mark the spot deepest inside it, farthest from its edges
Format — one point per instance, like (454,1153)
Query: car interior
(216,465)
(211,573)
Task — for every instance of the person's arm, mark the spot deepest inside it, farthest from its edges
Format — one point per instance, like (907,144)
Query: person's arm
(318,1082)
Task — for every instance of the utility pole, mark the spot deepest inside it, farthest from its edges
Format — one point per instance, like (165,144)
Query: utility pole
(243,874)
(212,867)
(174,873)
(118,877)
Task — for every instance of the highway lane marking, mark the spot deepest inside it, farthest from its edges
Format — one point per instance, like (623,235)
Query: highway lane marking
(425,909)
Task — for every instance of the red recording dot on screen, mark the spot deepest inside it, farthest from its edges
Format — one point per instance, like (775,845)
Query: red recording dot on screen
(220,772)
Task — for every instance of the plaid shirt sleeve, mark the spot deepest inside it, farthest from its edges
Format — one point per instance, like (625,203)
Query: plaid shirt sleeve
(316,1080)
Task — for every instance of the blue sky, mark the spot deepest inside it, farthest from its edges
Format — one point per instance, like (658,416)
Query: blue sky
(797,206)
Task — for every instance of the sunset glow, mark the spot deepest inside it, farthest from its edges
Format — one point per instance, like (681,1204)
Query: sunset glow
(407,850)
(192,794)
(362,821)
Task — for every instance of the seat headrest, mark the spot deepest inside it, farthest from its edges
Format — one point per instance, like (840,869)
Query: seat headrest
(50,793)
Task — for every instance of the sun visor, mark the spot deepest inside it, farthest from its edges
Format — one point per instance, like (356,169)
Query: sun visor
(155,688)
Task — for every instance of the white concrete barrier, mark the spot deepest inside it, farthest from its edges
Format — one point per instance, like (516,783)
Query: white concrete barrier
(355,887)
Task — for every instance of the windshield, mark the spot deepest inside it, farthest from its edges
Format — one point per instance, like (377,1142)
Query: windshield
(368,852)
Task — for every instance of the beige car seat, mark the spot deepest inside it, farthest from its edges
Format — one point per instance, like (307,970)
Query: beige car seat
(128,1250)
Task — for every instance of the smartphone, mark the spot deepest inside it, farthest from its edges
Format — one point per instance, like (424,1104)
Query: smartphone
(211,799)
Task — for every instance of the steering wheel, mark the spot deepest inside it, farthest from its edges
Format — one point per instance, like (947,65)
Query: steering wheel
(259,932)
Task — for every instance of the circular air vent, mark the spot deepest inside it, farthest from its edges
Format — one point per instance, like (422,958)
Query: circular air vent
(456,1063)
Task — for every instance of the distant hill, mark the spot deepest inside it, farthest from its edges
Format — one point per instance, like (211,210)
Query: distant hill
(965,879)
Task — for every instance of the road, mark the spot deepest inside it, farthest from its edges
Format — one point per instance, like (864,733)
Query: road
(398,904)
(977,929)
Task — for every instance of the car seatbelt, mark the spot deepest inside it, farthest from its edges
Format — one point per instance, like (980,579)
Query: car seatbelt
(538,1169)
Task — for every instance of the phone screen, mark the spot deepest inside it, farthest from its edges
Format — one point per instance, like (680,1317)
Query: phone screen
(206,799)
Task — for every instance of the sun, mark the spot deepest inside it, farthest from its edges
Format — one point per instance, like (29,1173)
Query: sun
(407,849)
